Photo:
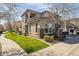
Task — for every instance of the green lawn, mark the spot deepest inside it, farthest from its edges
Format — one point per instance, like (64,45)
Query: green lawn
(28,44)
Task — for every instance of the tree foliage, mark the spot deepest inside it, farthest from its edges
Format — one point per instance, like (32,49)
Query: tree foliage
(8,12)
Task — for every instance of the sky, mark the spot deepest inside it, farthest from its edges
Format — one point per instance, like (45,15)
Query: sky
(34,6)
(24,6)
(39,7)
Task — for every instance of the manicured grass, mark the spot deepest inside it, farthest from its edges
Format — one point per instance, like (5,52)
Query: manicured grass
(29,44)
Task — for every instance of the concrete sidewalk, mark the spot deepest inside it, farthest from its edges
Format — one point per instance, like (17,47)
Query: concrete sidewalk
(10,48)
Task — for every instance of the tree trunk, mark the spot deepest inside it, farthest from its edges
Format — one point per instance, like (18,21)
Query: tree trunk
(57,26)
(56,30)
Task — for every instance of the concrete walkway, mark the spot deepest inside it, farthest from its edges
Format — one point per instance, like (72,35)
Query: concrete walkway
(10,48)
(66,48)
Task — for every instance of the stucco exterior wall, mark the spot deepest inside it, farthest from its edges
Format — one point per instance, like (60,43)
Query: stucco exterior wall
(40,18)
(46,21)
(41,25)
(32,29)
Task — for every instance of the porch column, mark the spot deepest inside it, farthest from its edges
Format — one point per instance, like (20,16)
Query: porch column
(28,16)
(69,31)
(28,22)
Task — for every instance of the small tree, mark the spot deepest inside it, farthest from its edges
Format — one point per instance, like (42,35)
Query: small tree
(64,10)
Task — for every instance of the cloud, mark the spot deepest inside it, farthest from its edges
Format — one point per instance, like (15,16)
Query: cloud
(35,6)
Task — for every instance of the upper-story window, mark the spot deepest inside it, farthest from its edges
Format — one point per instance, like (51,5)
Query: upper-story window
(48,25)
(32,15)
(46,15)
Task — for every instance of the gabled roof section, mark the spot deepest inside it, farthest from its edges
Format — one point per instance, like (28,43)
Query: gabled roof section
(39,12)
(50,13)
(46,12)
(29,10)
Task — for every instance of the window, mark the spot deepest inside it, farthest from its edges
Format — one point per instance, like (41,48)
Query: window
(32,15)
(49,25)
(48,29)
(46,15)
(36,27)
(46,25)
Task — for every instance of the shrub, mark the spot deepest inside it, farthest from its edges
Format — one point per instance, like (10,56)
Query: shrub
(46,38)
(49,38)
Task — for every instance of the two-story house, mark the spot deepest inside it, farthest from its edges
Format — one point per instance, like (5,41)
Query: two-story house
(38,24)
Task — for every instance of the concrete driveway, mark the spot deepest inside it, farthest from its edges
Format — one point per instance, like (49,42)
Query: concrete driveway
(67,48)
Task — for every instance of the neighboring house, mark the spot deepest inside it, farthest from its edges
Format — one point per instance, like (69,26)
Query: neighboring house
(72,25)
(38,24)
(18,26)
(15,26)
